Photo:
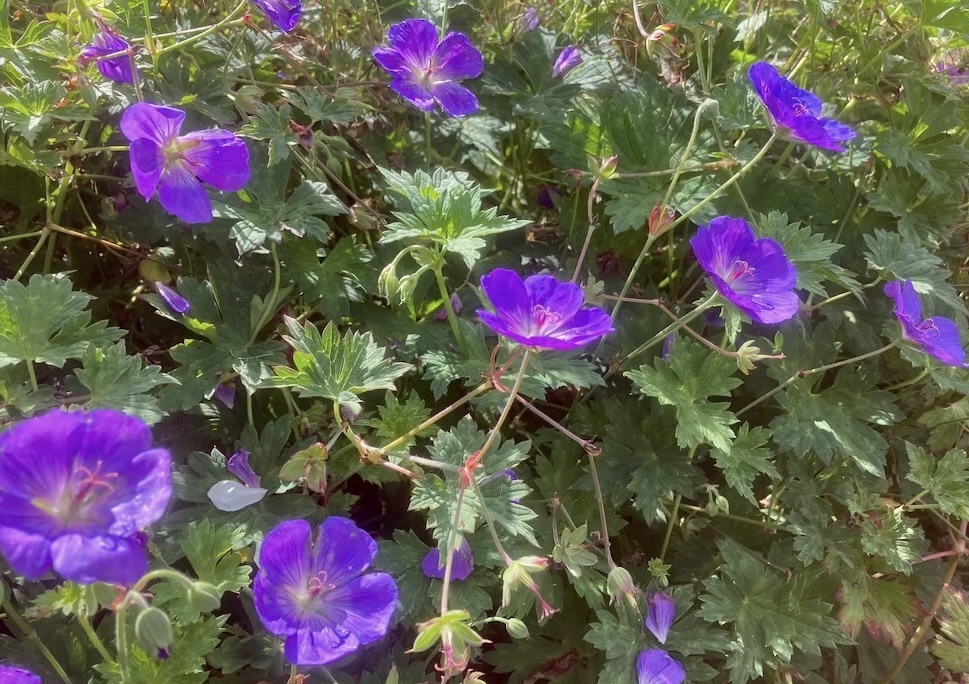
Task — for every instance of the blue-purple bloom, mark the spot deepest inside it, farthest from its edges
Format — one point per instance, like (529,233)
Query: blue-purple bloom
(226,393)
(541,311)
(76,490)
(17,675)
(426,71)
(938,336)
(175,301)
(754,274)
(660,613)
(314,592)
(229,495)
(461,566)
(107,42)
(177,165)
(796,113)
(284,14)
(655,666)
(567,60)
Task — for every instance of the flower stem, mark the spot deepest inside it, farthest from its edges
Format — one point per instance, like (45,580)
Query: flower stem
(44,234)
(480,389)
(669,525)
(451,543)
(452,317)
(31,635)
(593,224)
(33,374)
(658,337)
(606,544)
(228,19)
(269,306)
(959,545)
(493,435)
(811,371)
(427,136)
(94,638)
(292,674)
(20,236)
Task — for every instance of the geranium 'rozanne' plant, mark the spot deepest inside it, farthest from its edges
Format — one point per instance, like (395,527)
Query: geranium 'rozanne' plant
(79,509)
(754,274)
(176,165)
(426,70)
(656,666)
(937,336)
(284,14)
(796,113)
(312,590)
(106,42)
(541,311)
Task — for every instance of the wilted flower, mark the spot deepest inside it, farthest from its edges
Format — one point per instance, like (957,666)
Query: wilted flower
(177,165)
(76,489)
(175,301)
(660,613)
(544,196)
(752,274)
(796,113)
(567,60)
(107,42)
(456,305)
(541,311)
(229,495)
(15,675)
(426,71)
(937,336)
(529,20)
(655,666)
(461,566)
(314,592)
(283,13)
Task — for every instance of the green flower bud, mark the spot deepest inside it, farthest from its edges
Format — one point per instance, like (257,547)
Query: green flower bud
(620,584)
(204,597)
(153,632)
(517,629)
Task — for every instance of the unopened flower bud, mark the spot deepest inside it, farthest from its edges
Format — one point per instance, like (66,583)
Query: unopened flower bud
(516,629)
(620,585)
(153,632)
(204,597)
(660,219)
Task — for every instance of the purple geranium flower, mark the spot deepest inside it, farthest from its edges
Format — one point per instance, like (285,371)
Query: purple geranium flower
(567,60)
(426,71)
(283,13)
(107,42)
(461,566)
(16,675)
(937,336)
(175,301)
(660,612)
(177,165)
(314,592)
(226,393)
(76,489)
(229,495)
(541,311)
(752,274)
(655,666)
(796,113)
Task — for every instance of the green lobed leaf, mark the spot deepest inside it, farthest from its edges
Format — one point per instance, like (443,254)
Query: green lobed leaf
(335,367)
(47,321)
